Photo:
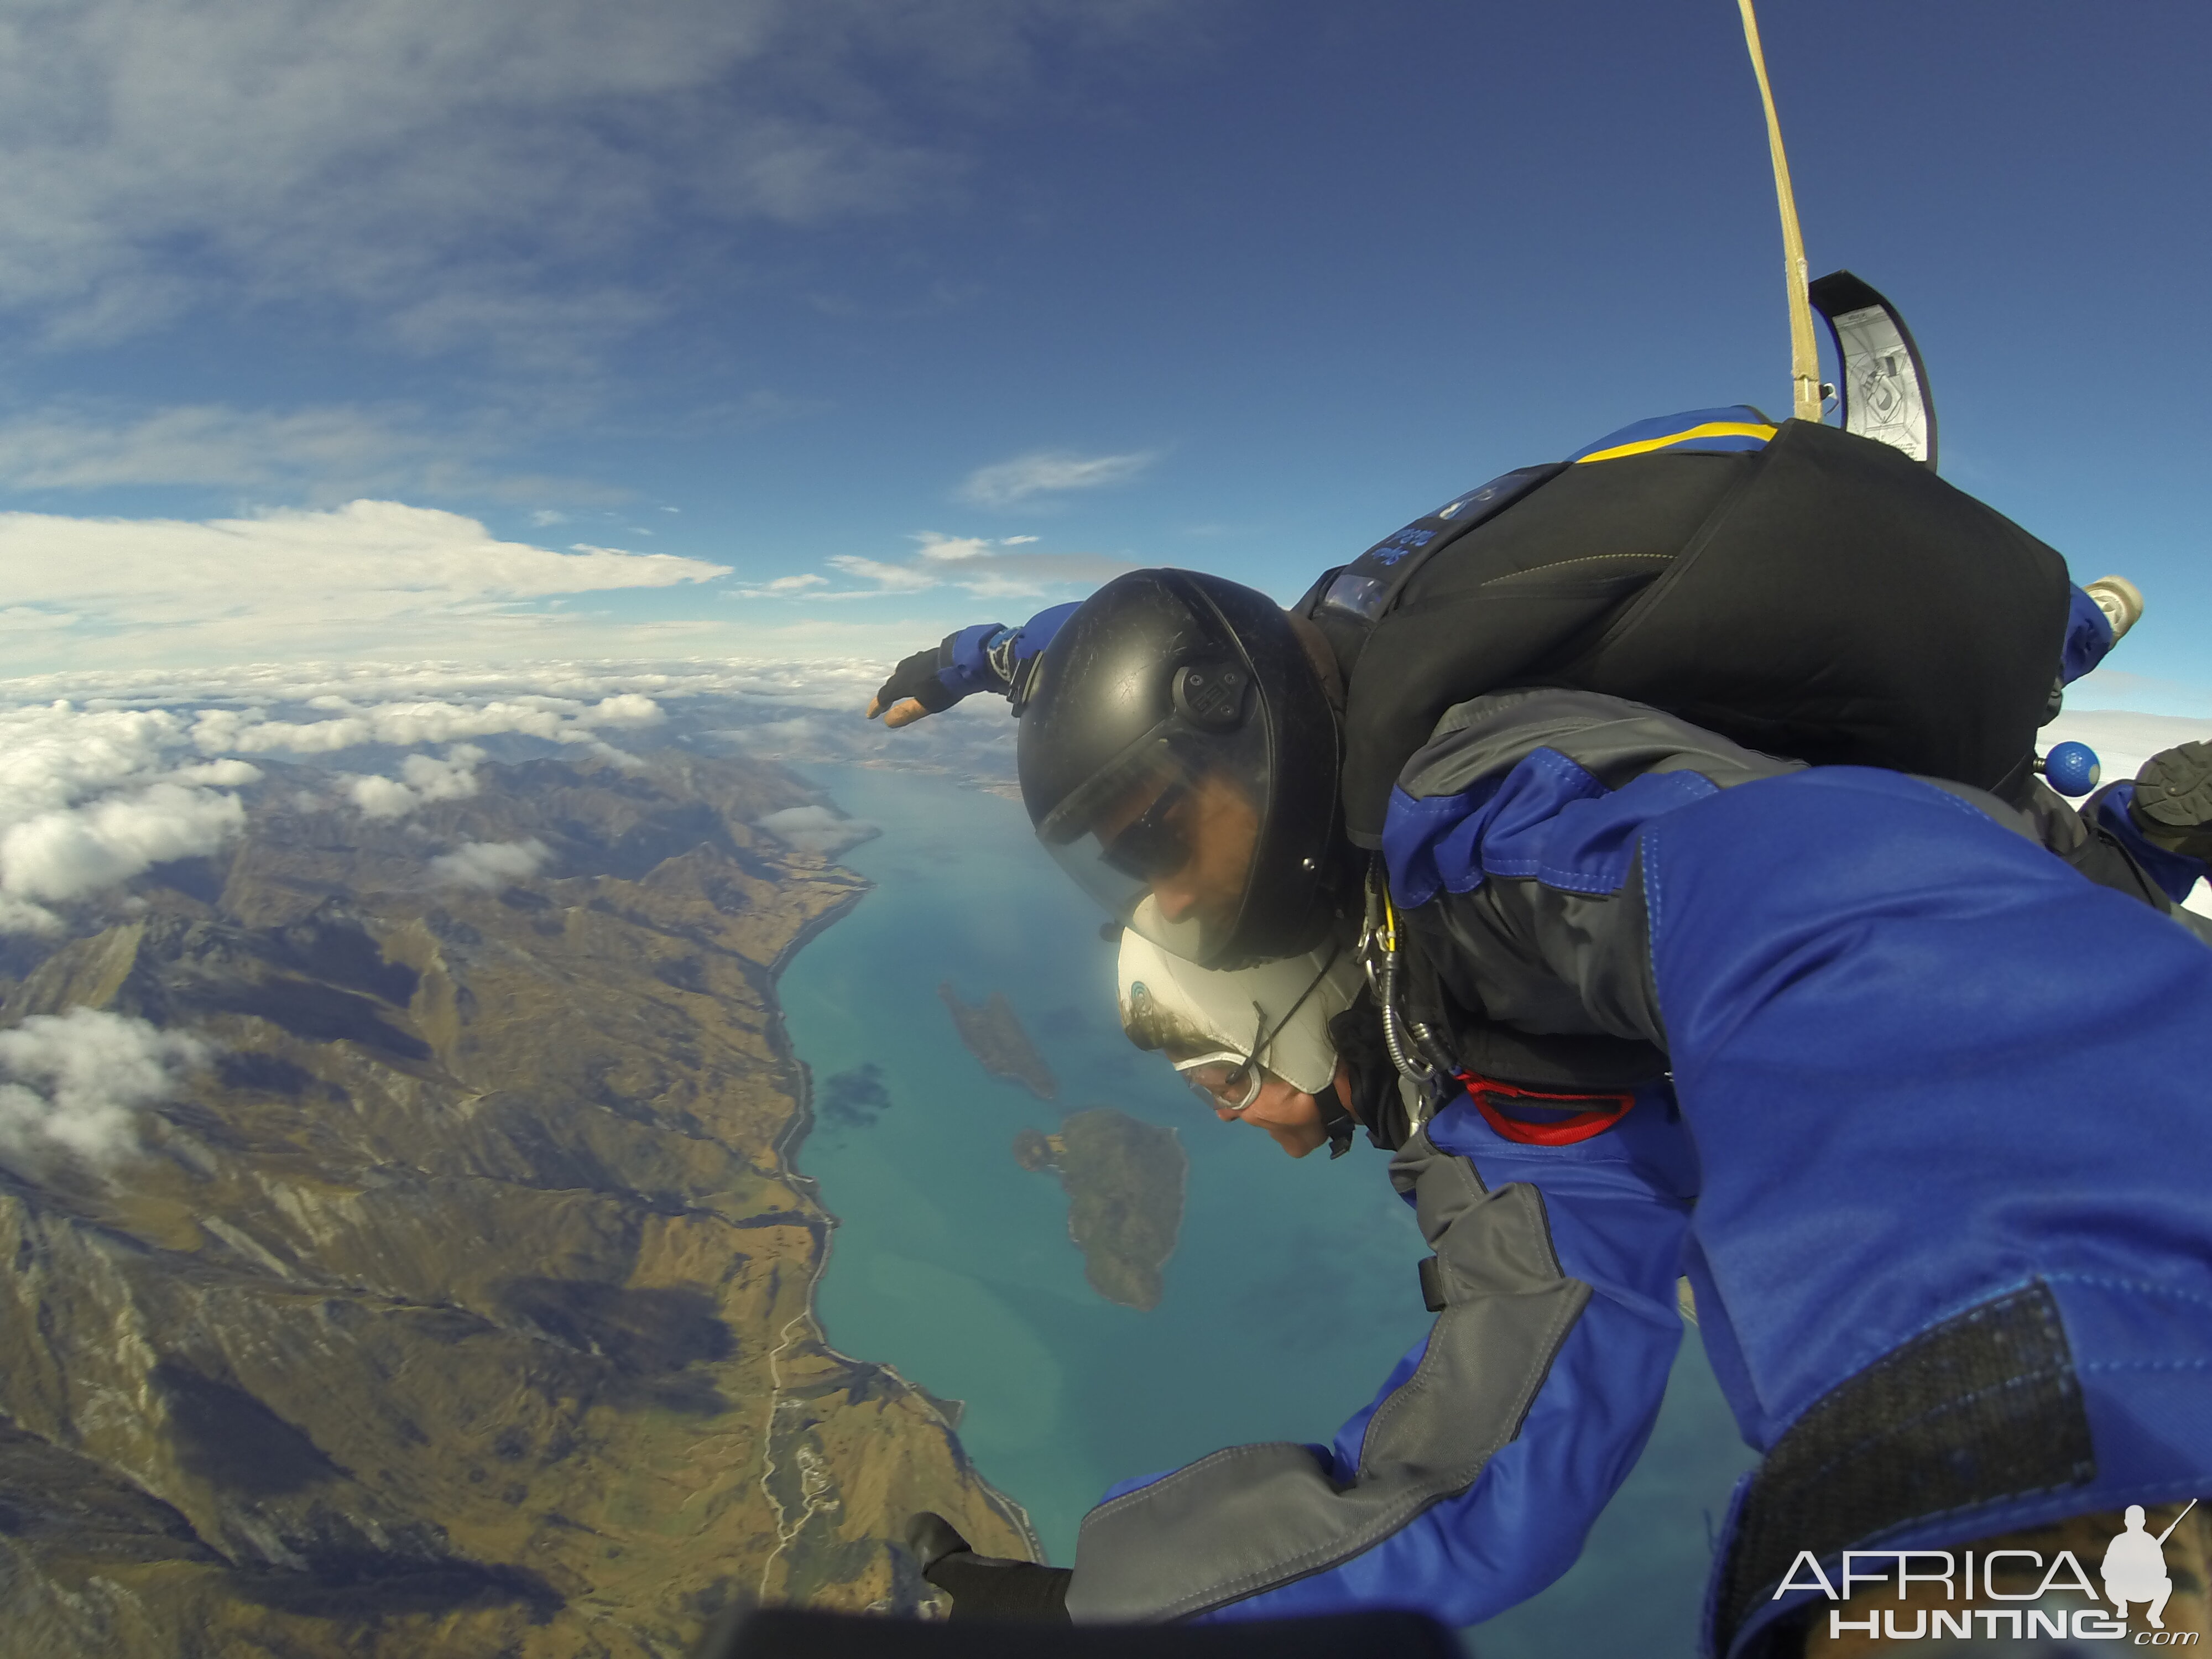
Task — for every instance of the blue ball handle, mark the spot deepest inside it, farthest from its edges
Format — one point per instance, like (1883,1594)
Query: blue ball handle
(2072,768)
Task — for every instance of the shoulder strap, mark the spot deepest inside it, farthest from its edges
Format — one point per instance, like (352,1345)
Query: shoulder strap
(1347,602)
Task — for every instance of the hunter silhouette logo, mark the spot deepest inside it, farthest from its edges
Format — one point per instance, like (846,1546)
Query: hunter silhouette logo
(2134,1568)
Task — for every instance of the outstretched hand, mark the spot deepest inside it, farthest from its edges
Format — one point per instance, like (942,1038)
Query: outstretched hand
(913,690)
(905,712)
(985,1586)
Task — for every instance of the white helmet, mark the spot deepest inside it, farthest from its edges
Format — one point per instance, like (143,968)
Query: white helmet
(1283,1007)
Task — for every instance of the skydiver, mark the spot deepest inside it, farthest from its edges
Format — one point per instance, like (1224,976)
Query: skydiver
(1918,1078)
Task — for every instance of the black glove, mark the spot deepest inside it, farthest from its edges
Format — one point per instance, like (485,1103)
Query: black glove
(916,677)
(985,1586)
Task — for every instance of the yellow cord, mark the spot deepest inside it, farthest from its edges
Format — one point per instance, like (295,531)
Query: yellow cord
(1804,355)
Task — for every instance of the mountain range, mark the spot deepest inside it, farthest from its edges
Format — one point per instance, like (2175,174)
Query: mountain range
(459,1298)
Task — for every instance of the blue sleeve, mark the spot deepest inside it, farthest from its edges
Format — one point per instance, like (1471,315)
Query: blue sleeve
(1943,1091)
(991,658)
(1617,1207)
(1934,1072)
(2089,636)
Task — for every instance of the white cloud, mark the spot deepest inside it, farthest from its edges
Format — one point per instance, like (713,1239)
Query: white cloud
(816,829)
(1043,472)
(20,916)
(887,578)
(490,863)
(387,695)
(290,140)
(404,725)
(326,453)
(88,798)
(976,565)
(283,580)
(64,854)
(957,549)
(84,449)
(628,709)
(54,753)
(476,173)
(780,587)
(77,1079)
(424,778)
(93,795)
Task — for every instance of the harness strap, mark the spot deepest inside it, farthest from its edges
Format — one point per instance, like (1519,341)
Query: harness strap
(1598,1113)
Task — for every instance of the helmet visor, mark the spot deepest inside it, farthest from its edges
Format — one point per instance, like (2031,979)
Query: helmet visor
(1163,836)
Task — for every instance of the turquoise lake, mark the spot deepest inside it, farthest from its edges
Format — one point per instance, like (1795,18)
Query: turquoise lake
(1292,1289)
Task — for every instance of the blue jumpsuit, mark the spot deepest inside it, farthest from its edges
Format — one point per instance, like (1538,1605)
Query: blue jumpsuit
(1935,1134)
(1933,1153)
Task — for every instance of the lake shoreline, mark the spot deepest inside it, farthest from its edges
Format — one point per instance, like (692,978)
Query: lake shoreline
(786,1147)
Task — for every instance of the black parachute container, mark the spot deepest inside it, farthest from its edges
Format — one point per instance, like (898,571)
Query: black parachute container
(1825,596)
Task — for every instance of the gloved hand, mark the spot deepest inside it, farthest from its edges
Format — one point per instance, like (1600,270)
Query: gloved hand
(984,657)
(930,682)
(912,691)
(985,1586)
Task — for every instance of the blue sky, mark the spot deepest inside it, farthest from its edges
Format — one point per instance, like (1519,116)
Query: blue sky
(936,313)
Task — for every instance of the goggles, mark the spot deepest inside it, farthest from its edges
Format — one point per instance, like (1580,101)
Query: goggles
(1152,845)
(1226,1078)
(1232,1080)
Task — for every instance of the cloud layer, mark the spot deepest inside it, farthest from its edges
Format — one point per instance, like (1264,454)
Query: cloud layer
(1003,568)
(162,154)
(73,1080)
(329,452)
(92,797)
(291,580)
(104,775)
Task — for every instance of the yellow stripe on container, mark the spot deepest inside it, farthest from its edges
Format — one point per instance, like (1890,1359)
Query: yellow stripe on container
(1710,430)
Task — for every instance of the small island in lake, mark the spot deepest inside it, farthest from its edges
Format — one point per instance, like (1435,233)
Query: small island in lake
(994,1036)
(1124,1184)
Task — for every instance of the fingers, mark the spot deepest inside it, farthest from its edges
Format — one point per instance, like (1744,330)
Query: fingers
(904,713)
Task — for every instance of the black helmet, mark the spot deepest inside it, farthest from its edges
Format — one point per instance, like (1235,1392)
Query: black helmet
(1178,757)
